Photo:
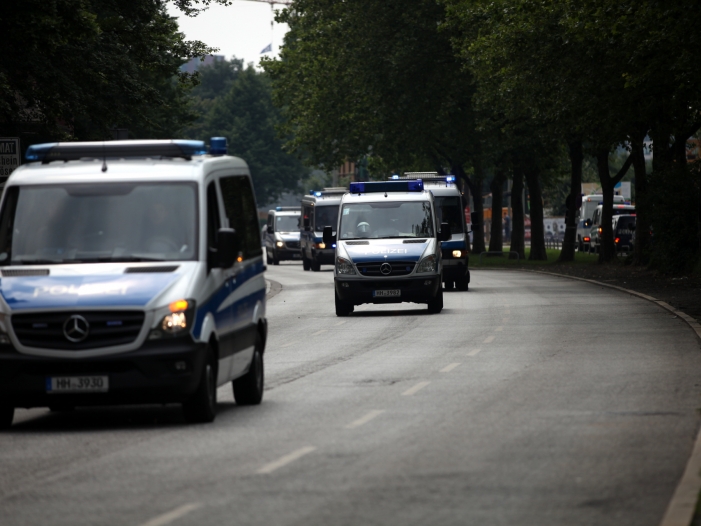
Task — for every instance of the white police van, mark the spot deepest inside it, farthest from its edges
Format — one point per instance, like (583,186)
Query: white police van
(388,246)
(450,208)
(130,272)
(319,209)
(281,234)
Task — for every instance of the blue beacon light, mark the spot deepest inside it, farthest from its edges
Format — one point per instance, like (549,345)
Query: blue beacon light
(450,179)
(217,146)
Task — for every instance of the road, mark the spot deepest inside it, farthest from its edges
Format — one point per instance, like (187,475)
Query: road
(529,400)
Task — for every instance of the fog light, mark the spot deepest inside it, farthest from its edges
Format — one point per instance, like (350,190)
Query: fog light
(428,282)
(155,334)
(457,253)
(345,285)
(279,244)
(180,366)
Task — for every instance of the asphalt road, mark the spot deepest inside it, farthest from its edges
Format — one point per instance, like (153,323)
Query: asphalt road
(529,400)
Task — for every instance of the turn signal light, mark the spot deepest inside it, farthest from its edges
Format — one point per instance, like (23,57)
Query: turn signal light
(178,306)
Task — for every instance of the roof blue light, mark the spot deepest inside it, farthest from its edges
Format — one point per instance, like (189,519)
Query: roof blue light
(387,186)
(317,194)
(395,176)
(217,146)
(73,151)
(450,179)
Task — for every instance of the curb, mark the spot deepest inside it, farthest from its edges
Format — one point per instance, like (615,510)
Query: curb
(680,511)
(273,290)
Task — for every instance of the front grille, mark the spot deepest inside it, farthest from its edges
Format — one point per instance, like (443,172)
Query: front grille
(149,270)
(414,241)
(399,268)
(24,272)
(292,244)
(107,328)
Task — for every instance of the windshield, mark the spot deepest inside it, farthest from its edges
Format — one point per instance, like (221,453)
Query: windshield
(450,211)
(386,220)
(326,216)
(287,223)
(99,222)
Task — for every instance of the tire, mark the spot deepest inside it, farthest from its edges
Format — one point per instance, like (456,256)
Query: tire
(248,390)
(7,413)
(343,308)
(315,266)
(449,285)
(435,305)
(268,259)
(276,259)
(202,406)
(462,284)
(580,246)
(305,263)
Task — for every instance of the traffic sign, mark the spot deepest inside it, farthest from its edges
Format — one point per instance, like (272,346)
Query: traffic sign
(9,155)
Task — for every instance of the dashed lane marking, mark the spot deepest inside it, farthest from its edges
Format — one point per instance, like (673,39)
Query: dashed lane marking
(287,459)
(340,323)
(319,332)
(287,345)
(473,352)
(174,515)
(489,339)
(450,367)
(415,389)
(499,329)
(365,419)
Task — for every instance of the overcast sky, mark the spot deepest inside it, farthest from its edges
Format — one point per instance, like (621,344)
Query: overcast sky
(241,30)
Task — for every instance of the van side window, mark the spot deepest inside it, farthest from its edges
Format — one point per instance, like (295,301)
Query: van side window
(213,222)
(240,207)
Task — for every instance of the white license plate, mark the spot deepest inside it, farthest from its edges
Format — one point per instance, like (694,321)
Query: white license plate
(77,384)
(386,293)
(296,256)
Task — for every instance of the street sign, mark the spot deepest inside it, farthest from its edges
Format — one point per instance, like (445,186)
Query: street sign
(9,155)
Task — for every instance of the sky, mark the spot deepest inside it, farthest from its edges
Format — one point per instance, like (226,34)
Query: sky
(241,30)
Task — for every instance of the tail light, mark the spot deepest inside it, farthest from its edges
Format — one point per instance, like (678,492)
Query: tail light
(618,239)
(587,239)
(600,230)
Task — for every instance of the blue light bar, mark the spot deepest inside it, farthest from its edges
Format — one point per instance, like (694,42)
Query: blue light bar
(72,151)
(395,176)
(217,146)
(449,178)
(387,186)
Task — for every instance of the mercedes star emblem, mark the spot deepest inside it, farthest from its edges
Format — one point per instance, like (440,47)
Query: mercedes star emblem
(76,328)
(386,269)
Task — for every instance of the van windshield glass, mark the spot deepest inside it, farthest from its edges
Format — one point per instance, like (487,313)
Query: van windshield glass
(386,220)
(287,223)
(325,216)
(99,223)
(449,211)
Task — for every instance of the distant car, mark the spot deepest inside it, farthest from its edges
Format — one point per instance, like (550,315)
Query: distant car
(624,232)
(583,234)
(281,234)
(596,228)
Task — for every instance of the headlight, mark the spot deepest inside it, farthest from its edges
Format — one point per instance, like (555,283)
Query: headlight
(457,253)
(178,321)
(279,244)
(343,266)
(321,245)
(428,264)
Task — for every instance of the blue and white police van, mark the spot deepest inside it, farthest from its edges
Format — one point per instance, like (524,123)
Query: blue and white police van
(450,207)
(319,209)
(130,272)
(281,234)
(388,246)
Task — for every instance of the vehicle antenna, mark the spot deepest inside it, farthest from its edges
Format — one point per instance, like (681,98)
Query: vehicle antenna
(104,158)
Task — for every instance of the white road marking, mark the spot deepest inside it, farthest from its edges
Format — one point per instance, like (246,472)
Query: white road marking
(171,516)
(286,345)
(365,419)
(450,367)
(499,329)
(473,352)
(319,332)
(415,389)
(489,339)
(340,323)
(287,459)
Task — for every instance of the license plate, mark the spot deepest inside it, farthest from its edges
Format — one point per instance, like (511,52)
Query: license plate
(296,256)
(77,384)
(385,293)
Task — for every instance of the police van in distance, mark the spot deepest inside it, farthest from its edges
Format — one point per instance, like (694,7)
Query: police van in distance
(450,208)
(131,272)
(319,210)
(388,246)
(281,234)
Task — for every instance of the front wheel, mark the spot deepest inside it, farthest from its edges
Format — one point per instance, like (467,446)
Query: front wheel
(248,390)
(202,406)
(462,284)
(316,266)
(276,259)
(343,308)
(305,263)
(7,413)
(435,305)
(449,285)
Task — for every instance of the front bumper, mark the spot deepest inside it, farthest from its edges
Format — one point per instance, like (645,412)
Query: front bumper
(284,254)
(147,375)
(412,290)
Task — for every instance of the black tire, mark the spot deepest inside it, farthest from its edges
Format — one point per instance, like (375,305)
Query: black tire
(276,259)
(343,308)
(462,284)
(449,285)
(248,389)
(436,304)
(268,259)
(316,266)
(305,263)
(202,406)
(7,413)
(580,246)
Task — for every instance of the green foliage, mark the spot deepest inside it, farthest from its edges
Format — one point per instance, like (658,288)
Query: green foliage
(237,104)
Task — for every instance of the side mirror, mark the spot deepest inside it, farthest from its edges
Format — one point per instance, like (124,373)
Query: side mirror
(444,234)
(475,219)
(270,230)
(227,247)
(328,236)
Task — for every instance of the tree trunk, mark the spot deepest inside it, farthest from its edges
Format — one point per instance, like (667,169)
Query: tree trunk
(641,254)
(568,244)
(538,252)
(518,229)
(496,240)
(478,230)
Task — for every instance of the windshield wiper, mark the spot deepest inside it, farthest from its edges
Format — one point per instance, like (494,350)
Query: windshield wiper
(42,261)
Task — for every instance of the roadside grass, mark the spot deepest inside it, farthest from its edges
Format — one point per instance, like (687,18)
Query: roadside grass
(580,258)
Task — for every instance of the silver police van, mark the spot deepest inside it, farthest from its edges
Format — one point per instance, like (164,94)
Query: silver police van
(281,234)
(131,272)
(319,209)
(388,246)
